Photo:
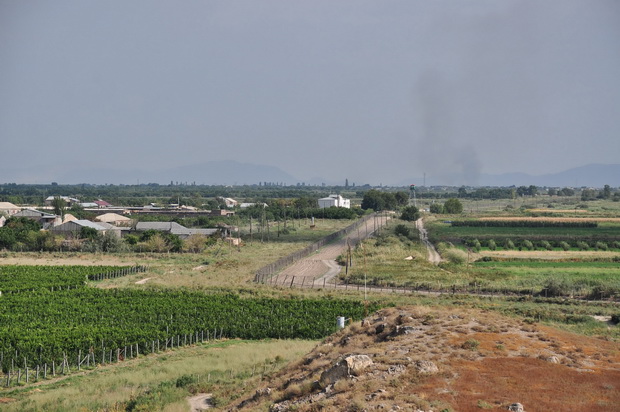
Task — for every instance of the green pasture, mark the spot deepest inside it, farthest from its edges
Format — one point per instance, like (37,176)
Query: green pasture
(574,277)
(382,262)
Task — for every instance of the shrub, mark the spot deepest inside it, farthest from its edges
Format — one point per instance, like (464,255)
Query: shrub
(454,255)
(527,244)
(475,245)
(545,245)
(615,244)
(564,245)
(492,245)
(436,208)
(581,245)
(453,206)
(601,246)
(410,213)
(402,230)
(603,292)
(470,344)
(185,381)
(509,244)
(555,288)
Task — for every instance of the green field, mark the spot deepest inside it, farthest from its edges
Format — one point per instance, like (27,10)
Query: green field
(44,327)
(382,262)
(442,231)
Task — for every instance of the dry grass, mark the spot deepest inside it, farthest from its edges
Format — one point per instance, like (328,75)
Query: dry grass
(112,386)
(485,361)
(579,211)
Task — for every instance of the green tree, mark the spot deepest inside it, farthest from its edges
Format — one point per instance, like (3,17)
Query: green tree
(410,214)
(588,194)
(402,198)
(88,233)
(373,200)
(606,192)
(436,208)
(453,206)
(7,238)
(59,205)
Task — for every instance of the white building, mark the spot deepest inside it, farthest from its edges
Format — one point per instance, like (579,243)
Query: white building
(334,201)
(228,201)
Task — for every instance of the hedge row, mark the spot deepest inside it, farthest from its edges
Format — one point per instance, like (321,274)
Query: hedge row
(524,223)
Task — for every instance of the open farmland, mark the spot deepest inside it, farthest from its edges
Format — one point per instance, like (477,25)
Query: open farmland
(56,327)
(165,302)
(396,260)
(445,231)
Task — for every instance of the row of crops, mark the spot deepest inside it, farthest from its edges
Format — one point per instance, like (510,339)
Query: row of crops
(15,278)
(525,223)
(541,244)
(46,327)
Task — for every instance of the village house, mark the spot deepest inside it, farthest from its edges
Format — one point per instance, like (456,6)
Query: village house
(228,201)
(68,200)
(115,219)
(45,219)
(8,209)
(74,227)
(174,228)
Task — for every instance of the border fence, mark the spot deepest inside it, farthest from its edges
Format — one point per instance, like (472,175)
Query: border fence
(266,272)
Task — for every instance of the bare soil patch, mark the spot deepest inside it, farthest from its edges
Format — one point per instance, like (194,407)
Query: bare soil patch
(200,402)
(51,259)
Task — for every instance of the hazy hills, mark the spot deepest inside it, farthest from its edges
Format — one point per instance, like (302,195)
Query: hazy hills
(228,172)
(593,175)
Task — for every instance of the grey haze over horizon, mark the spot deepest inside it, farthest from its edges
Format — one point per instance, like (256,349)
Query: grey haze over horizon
(376,92)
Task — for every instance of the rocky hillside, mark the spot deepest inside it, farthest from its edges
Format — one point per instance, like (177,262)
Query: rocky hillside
(424,359)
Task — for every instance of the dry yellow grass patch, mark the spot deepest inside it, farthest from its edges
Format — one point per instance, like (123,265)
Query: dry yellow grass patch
(558,210)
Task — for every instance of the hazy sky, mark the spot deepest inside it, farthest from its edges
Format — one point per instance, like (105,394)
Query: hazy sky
(374,91)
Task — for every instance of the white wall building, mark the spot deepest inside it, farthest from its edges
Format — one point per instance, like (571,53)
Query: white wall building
(334,200)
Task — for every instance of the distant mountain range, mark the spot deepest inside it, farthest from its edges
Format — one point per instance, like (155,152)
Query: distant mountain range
(236,173)
(593,175)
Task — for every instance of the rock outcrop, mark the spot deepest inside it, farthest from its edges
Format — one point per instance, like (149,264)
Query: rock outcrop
(349,366)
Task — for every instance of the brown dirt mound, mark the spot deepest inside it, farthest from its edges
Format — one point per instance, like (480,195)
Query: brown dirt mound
(484,361)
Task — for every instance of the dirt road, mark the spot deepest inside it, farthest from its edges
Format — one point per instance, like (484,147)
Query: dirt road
(321,267)
(433,256)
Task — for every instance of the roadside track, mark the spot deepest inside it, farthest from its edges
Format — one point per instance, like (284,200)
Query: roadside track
(321,267)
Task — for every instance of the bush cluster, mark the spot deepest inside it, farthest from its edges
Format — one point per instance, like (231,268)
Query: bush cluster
(524,223)
(543,244)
